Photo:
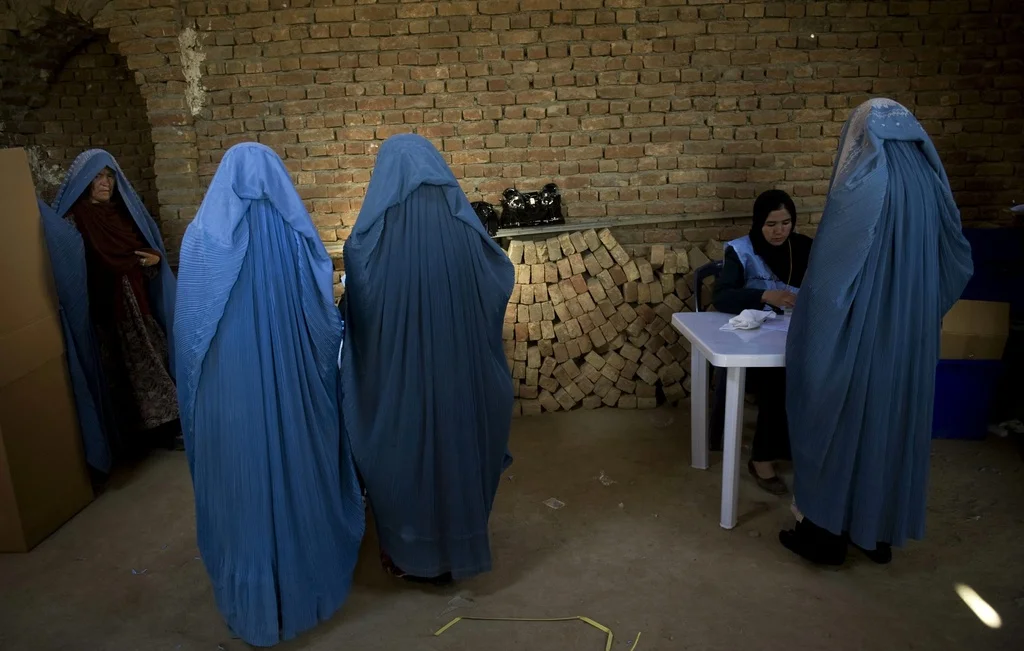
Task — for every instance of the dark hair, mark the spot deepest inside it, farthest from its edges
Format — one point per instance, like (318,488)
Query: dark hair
(770,201)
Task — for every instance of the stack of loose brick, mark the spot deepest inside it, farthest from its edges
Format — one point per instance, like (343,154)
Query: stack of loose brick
(588,325)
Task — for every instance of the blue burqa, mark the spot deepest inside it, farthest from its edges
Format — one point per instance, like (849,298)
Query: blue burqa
(888,262)
(67,254)
(67,259)
(279,514)
(427,393)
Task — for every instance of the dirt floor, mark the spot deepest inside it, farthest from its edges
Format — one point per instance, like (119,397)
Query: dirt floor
(639,551)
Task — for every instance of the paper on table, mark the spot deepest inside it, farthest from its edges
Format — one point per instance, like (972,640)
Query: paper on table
(748,336)
(779,325)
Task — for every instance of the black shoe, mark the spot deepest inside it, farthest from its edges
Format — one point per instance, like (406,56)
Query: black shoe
(173,444)
(98,480)
(397,572)
(881,554)
(814,543)
(438,581)
(773,485)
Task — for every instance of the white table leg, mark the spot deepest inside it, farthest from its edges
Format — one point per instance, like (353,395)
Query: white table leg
(735,383)
(698,410)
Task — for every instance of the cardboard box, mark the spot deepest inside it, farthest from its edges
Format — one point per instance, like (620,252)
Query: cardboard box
(43,476)
(975,330)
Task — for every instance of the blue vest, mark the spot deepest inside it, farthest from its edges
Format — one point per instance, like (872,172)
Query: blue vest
(756,273)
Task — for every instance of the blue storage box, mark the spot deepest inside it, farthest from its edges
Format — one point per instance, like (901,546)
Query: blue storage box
(963,397)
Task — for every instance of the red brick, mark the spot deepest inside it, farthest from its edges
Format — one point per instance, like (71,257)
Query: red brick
(492,7)
(456,8)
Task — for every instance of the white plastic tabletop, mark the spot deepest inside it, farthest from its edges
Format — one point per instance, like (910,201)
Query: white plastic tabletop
(764,347)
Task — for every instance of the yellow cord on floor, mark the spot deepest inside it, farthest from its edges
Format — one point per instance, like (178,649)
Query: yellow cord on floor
(585,620)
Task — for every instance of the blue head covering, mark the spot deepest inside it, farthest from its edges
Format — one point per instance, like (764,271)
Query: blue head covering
(67,259)
(161,289)
(427,393)
(279,515)
(888,262)
(405,163)
(249,173)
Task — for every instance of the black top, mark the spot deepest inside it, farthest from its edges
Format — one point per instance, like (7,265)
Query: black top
(730,295)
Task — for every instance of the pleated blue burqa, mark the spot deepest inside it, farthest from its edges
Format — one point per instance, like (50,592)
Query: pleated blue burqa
(888,262)
(279,515)
(67,255)
(92,402)
(427,393)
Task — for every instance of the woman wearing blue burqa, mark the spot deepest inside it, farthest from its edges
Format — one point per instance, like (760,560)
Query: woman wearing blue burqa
(427,392)
(95,417)
(279,516)
(888,262)
(112,277)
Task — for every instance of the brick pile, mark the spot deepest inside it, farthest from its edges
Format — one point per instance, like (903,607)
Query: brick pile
(589,325)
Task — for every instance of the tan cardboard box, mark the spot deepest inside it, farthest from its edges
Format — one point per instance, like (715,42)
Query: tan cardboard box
(975,330)
(43,476)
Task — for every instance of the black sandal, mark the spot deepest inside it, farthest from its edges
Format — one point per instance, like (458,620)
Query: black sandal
(815,544)
(881,554)
(773,485)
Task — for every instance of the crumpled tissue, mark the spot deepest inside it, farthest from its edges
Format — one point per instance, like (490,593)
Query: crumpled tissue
(748,320)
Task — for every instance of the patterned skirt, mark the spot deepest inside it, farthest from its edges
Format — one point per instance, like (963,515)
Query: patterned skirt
(134,352)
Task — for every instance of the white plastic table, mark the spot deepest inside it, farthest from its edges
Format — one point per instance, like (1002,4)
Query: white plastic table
(735,351)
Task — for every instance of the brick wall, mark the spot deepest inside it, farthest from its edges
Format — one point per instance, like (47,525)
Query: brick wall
(41,38)
(663,107)
(93,102)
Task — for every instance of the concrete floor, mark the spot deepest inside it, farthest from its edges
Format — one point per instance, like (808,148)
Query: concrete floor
(644,553)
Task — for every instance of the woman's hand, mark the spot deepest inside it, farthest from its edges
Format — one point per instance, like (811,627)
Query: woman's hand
(779,298)
(147,259)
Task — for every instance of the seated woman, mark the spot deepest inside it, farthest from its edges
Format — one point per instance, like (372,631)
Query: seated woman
(131,297)
(427,394)
(765,268)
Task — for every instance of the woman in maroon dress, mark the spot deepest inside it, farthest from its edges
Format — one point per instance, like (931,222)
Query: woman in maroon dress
(133,345)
